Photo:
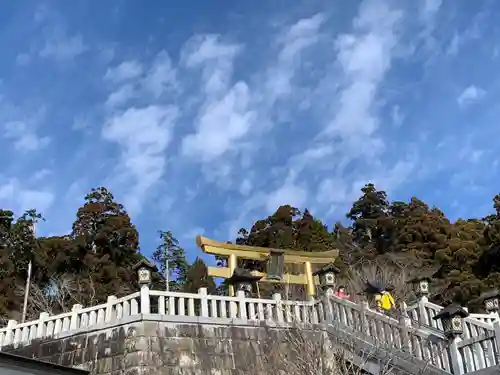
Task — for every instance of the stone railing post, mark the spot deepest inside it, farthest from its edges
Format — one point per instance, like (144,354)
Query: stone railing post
(9,335)
(422,312)
(279,307)
(242,305)
(405,325)
(40,328)
(365,307)
(110,308)
(204,302)
(327,303)
(452,318)
(420,286)
(145,305)
(496,327)
(455,356)
(73,324)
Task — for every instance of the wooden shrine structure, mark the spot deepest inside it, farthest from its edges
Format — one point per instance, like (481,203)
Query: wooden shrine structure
(276,260)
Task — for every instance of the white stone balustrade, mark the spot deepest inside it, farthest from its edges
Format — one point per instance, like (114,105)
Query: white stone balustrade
(413,331)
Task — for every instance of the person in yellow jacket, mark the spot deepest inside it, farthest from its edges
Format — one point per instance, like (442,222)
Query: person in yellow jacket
(385,301)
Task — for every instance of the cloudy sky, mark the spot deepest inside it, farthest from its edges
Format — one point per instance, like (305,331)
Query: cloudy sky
(202,116)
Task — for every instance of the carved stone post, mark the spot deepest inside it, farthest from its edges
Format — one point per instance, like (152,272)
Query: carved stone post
(244,281)
(453,325)
(327,275)
(420,286)
(144,269)
(491,301)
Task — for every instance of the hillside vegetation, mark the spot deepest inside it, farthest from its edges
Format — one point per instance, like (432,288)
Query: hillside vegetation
(386,240)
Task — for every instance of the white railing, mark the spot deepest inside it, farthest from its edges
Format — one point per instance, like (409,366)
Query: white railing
(414,331)
(388,332)
(239,307)
(476,347)
(77,318)
(423,312)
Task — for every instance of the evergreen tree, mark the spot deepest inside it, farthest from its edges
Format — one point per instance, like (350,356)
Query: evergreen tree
(487,266)
(197,277)
(106,245)
(170,251)
(369,216)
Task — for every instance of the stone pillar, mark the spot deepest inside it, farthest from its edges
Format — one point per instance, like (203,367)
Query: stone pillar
(203,301)
(9,335)
(145,306)
(144,268)
(40,329)
(242,304)
(279,307)
(452,318)
(74,323)
(496,327)
(405,324)
(491,301)
(327,275)
(111,308)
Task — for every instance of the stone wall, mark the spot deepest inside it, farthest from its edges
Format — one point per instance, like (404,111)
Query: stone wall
(143,346)
(154,345)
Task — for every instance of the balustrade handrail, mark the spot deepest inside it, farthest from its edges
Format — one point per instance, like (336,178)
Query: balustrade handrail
(474,319)
(478,349)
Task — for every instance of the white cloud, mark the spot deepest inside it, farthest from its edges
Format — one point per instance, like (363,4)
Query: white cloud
(127,70)
(303,109)
(469,95)
(144,134)
(161,77)
(352,121)
(80,123)
(216,60)
(60,46)
(220,124)
(24,139)
(231,113)
(365,58)
(300,36)
(245,187)
(428,12)
(121,96)
(13,195)
(135,82)
(429,9)
(41,174)
(289,193)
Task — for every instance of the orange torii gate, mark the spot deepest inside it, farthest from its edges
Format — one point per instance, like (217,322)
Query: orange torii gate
(276,260)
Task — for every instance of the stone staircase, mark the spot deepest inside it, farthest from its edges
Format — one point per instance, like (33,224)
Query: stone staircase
(412,340)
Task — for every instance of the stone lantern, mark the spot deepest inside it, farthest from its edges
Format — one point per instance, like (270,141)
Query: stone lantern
(144,268)
(243,280)
(420,285)
(275,264)
(491,300)
(326,276)
(452,318)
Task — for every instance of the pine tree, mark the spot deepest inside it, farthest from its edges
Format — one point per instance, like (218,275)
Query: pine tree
(170,251)
(369,216)
(197,277)
(106,246)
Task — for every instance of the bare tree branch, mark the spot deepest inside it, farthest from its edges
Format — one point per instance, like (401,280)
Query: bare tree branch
(59,295)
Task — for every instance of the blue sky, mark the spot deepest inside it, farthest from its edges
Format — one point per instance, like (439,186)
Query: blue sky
(203,116)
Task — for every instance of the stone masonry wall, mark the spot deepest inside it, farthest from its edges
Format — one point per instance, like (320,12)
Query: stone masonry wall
(143,346)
